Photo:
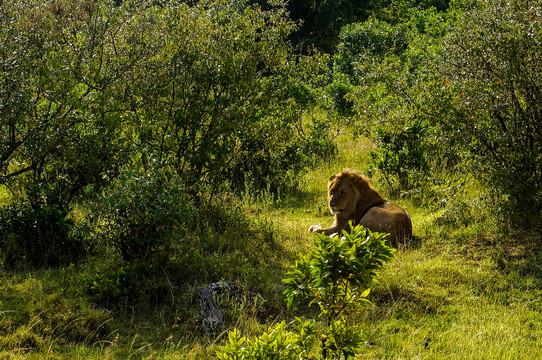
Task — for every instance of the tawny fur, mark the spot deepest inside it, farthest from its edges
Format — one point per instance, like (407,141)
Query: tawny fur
(352,198)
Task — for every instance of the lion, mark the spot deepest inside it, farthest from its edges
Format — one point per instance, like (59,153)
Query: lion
(352,198)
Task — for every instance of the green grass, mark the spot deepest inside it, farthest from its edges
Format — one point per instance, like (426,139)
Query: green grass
(469,287)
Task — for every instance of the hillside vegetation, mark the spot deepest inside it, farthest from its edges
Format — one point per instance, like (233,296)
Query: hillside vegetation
(151,148)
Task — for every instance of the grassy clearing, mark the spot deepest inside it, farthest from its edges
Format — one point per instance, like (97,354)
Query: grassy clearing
(467,288)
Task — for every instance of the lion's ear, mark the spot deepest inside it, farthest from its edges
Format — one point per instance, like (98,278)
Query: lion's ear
(333,177)
(360,182)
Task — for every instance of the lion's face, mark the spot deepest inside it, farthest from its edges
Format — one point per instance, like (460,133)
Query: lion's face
(342,195)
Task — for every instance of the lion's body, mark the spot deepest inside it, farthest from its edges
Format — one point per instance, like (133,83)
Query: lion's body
(352,198)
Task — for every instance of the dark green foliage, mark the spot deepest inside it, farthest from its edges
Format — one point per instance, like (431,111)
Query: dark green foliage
(362,44)
(36,229)
(142,211)
(322,20)
(451,94)
(340,96)
(61,113)
(117,285)
(402,156)
(222,98)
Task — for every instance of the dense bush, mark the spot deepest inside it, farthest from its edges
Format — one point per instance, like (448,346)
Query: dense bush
(209,90)
(207,95)
(362,44)
(322,21)
(64,70)
(387,65)
(489,96)
(219,99)
(37,230)
(141,212)
(402,156)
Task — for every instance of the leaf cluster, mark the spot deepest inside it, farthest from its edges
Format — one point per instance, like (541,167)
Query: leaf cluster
(337,274)
(277,343)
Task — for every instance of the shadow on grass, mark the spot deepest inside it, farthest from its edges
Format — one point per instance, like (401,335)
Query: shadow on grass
(520,259)
(103,300)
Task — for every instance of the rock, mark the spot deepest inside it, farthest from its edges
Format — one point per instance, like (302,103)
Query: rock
(212,316)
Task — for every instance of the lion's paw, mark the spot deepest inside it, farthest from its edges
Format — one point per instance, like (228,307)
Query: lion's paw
(314,228)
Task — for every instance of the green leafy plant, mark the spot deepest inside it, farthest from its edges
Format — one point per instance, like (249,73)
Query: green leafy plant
(224,98)
(211,90)
(336,277)
(278,344)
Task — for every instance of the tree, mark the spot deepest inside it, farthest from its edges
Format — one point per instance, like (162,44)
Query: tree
(389,69)
(218,102)
(490,96)
(210,93)
(63,70)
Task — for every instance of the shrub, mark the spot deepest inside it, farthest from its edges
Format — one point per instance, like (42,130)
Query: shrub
(142,211)
(488,98)
(362,44)
(402,157)
(278,344)
(223,98)
(336,276)
(36,228)
(340,95)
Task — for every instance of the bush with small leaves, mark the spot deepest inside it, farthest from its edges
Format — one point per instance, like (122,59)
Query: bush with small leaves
(488,100)
(142,211)
(37,230)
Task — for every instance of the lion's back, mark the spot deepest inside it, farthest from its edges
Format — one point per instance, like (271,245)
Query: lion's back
(389,218)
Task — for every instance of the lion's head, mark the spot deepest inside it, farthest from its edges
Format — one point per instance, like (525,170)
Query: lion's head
(348,191)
